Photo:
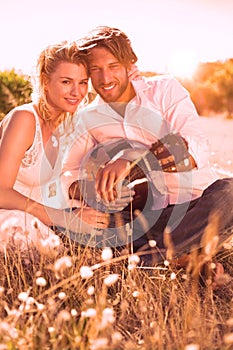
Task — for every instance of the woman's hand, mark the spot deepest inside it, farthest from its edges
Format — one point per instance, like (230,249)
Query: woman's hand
(125,196)
(86,219)
(133,73)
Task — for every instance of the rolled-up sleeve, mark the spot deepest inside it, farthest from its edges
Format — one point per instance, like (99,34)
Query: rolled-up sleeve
(181,114)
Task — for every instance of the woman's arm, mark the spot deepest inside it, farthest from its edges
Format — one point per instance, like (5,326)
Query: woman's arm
(16,140)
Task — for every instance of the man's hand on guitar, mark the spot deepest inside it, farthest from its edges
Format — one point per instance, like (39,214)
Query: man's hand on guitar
(172,154)
(169,154)
(108,176)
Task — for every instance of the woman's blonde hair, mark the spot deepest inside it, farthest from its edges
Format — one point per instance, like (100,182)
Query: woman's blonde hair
(47,63)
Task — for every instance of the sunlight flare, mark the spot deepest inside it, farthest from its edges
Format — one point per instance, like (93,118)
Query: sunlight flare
(183,64)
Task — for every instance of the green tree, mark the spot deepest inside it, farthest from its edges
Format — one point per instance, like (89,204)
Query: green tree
(15,90)
(224,81)
(211,87)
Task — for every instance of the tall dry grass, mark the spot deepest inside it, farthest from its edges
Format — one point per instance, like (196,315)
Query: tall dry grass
(85,298)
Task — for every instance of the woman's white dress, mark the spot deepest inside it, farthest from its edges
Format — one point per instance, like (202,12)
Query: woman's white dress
(39,180)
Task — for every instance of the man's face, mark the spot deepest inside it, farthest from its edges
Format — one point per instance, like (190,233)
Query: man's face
(109,77)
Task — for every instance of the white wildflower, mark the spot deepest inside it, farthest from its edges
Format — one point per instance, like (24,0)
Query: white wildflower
(40,307)
(133,259)
(41,281)
(86,272)
(91,312)
(152,243)
(52,241)
(173,276)
(111,279)
(61,295)
(30,300)
(25,307)
(51,329)
(213,265)
(107,317)
(62,263)
(136,294)
(23,296)
(106,254)
(63,315)
(74,312)
(91,290)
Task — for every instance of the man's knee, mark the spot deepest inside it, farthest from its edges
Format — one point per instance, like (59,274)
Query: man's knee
(222,187)
(226,189)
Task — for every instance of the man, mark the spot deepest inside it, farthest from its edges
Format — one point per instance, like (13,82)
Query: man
(148,115)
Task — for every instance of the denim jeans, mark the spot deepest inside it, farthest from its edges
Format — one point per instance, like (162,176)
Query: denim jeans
(187,222)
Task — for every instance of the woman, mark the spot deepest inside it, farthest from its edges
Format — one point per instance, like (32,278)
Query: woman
(33,140)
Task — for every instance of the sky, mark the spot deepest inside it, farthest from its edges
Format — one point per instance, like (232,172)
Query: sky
(168,36)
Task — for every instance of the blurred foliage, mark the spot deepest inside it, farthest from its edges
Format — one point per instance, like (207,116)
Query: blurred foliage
(210,88)
(15,90)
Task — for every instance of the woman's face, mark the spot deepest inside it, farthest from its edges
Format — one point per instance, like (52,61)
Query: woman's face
(66,87)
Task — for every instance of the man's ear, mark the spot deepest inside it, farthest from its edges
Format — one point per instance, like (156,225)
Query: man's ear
(128,67)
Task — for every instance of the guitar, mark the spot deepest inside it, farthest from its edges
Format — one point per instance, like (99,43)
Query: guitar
(169,154)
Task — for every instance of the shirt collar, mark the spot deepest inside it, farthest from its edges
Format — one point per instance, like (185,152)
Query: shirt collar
(139,85)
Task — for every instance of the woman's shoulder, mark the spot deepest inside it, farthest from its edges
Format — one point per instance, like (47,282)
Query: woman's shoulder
(20,119)
(23,110)
(24,113)
(21,125)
